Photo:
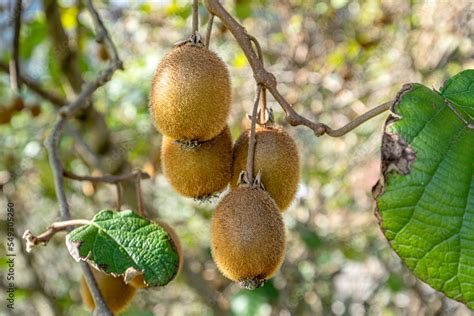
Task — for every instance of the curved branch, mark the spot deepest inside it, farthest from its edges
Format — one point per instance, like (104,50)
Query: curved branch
(359,120)
(268,80)
(33,240)
(52,142)
(103,34)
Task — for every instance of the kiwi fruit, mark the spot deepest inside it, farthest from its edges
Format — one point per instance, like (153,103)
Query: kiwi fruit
(115,292)
(248,236)
(139,282)
(276,157)
(201,171)
(190,97)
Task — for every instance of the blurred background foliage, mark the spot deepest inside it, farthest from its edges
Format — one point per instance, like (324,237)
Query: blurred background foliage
(333,59)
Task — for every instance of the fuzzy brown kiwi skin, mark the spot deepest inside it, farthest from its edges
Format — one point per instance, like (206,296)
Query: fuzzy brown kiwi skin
(201,171)
(115,292)
(139,282)
(190,97)
(248,237)
(276,156)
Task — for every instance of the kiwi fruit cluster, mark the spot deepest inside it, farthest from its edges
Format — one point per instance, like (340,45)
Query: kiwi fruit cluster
(190,101)
(189,104)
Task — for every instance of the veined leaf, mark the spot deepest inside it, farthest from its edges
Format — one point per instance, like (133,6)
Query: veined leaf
(122,243)
(425,197)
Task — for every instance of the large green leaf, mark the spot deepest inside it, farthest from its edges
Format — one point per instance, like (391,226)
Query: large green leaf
(425,197)
(124,242)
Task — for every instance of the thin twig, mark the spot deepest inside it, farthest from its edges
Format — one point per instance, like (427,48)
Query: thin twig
(102,33)
(118,187)
(251,148)
(32,240)
(140,203)
(36,87)
(52,144)
(209,29)
(90,88)
(359,120)
(254,40)
(15,61)
(268,80)
(195,16)
(107,179)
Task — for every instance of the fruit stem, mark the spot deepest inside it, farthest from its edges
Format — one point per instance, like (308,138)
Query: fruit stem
(251,149)
(195,17)
(251,284)
(263,108)
(141,208)
(118,187)
(209,29)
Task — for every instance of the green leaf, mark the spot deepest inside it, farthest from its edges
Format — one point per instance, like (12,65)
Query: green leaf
(460,92)
(425,198)
(120,243)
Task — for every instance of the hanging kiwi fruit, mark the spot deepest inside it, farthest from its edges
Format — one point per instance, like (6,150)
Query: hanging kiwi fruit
(199,171)
(115,292)
(276,157)
(190,96)
(248,237)
(190,101)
